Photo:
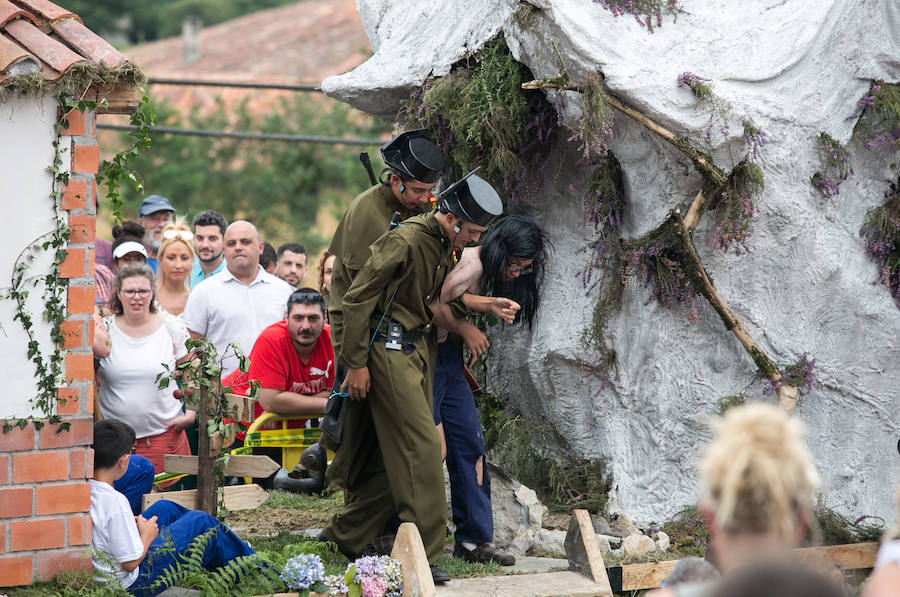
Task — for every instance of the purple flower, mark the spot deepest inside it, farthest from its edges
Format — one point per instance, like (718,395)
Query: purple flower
(690,80)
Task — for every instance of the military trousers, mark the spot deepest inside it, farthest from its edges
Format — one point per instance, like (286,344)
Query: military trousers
(401,470)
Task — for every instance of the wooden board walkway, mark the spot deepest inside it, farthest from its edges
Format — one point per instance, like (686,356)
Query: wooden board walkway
(632,577)
(545,584)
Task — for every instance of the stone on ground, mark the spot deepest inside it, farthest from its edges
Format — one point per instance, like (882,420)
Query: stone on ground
(638,545)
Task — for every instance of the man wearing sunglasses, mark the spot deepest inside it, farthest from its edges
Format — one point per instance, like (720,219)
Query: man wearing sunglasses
(390,458)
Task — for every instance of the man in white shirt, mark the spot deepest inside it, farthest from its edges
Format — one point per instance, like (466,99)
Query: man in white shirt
(239,302)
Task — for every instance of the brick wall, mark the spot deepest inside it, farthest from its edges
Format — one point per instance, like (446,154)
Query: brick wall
(45,525)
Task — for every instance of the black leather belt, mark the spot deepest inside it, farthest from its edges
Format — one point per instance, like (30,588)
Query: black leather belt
(396,338)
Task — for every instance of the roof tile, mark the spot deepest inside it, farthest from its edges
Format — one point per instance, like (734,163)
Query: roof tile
(50,51)
(9,11)
(15,60)
(46,9)
(88,44)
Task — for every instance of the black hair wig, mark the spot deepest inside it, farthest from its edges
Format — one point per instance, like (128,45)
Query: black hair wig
(515,236)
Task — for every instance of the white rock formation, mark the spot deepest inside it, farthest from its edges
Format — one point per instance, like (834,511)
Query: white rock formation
(806,286)
(517,512)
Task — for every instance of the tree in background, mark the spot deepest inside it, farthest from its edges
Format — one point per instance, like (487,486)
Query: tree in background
(280,186)
(139,21)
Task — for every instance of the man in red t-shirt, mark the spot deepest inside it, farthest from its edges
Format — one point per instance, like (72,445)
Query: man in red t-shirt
(293,360)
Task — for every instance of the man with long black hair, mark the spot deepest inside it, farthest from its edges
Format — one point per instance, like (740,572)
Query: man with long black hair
(506,272)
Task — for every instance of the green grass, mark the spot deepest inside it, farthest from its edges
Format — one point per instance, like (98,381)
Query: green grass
(457,568)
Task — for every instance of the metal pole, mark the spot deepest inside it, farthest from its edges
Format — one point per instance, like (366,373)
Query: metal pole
(192,82)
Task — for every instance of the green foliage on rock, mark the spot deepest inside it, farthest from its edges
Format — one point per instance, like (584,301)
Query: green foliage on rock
(480,116)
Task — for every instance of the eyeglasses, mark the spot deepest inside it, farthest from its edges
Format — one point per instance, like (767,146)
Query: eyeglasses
(134,449)
(306,297)
(182,234)
(519,269)
(141,292)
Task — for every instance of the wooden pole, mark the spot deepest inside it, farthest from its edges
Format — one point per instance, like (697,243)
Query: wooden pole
(787,395)
(207,484)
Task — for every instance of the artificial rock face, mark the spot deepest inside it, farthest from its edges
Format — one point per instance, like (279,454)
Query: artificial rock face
(805,286)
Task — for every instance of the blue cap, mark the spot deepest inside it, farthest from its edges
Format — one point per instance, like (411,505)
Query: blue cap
(153,204)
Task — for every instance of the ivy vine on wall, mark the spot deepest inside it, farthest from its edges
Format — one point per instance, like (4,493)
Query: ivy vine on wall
(48,368)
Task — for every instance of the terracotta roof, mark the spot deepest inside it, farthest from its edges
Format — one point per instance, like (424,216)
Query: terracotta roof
(296,43)
(37,36)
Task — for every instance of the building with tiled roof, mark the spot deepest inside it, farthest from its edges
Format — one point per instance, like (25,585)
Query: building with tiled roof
(48,163)
(44,46)
(296,43)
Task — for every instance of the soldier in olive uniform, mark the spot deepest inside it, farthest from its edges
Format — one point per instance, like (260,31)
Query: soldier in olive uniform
(414,164)
(390,460)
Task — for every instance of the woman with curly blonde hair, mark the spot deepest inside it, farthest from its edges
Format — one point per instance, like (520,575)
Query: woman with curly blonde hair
(758,485)
(176,257)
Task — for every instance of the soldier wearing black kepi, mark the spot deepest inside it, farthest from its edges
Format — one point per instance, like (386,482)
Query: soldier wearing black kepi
(414,164)
(390,457)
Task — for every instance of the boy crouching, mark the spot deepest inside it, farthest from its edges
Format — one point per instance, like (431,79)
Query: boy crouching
(135,550)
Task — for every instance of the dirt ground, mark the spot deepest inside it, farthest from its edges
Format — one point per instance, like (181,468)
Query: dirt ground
(284,512)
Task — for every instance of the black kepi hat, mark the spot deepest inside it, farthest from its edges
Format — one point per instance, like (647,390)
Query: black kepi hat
(473,199)
(415,155)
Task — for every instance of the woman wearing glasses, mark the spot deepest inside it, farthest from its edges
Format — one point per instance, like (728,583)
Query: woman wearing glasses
(176,257)
(503,276)
(131,346)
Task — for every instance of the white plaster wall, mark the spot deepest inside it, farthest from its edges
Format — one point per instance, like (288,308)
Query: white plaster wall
(26,151)
(796,68)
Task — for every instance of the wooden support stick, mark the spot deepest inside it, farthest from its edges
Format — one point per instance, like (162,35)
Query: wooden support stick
(701,161)
(787,395)
(207,484)
(693,215)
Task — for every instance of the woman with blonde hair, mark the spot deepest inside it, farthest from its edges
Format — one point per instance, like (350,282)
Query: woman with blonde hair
(758,484)
(176,257)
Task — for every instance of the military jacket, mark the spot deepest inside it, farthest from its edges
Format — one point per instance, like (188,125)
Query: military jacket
(413,259)
(367,218)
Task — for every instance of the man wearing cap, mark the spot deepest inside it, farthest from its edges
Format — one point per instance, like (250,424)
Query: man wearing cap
(390,459)
(413,165)
(154,213)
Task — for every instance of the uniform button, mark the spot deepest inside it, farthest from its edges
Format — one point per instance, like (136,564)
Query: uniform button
(427,326)
(428,297)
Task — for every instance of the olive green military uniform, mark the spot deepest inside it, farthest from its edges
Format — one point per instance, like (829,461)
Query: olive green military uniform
(367,218)
(390,460)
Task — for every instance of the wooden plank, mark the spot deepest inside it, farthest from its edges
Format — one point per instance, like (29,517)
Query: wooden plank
(240,408)
(852,556)
(583,551)
(649,575)
(238,497)
(645,575)
(410,552)
(239,465)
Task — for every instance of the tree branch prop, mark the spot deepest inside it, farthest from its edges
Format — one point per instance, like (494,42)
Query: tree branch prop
(787,394)
(714,178)
(702,162)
